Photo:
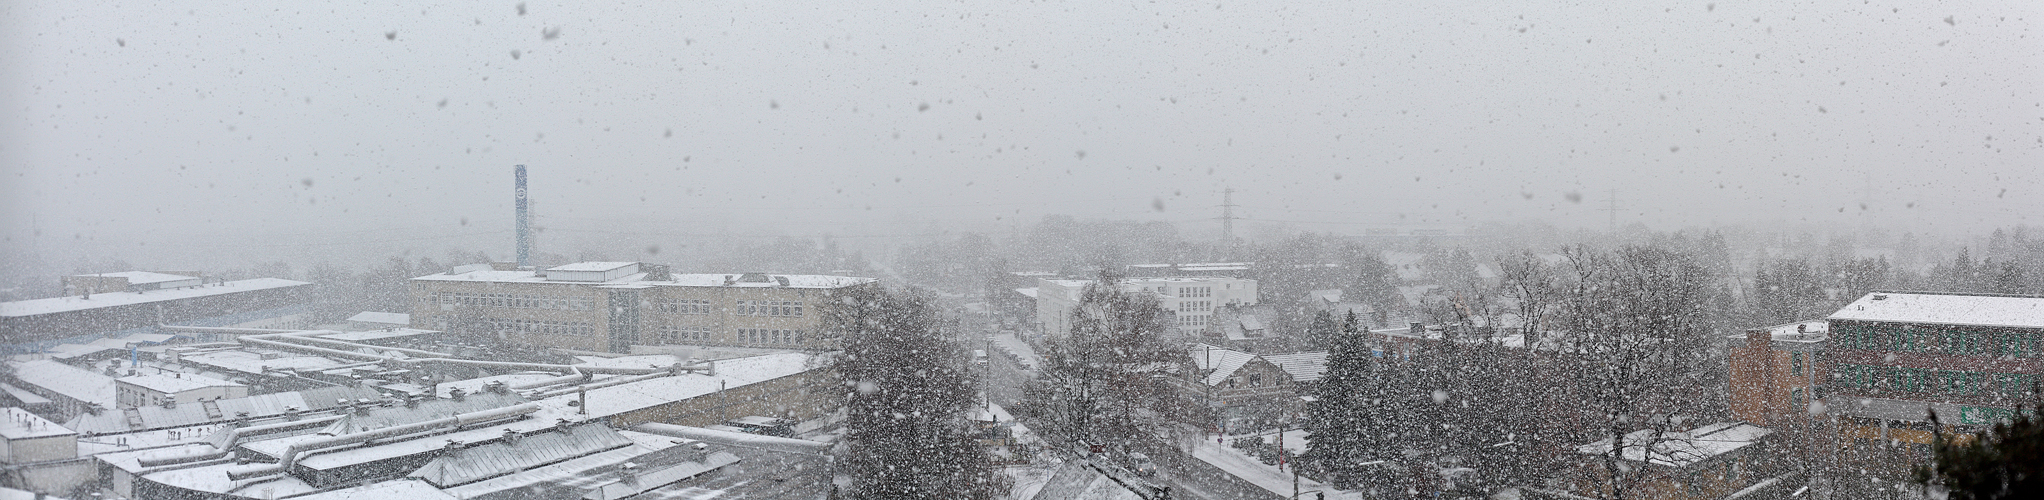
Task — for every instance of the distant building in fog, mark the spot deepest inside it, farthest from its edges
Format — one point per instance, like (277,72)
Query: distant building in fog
(1192,299)
(611,306)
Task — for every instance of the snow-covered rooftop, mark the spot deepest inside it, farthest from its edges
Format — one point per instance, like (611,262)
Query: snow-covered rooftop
(731,373)
(1682,449)
(98,300)
(1946,309)
(175,383)
(220,410)
(388,318)
(590,266)
(716,280)
(20,424)
(1301,366)
(144,277)
(72,382)
(376,334)
(23,396)
(1802,331)
(1219,362)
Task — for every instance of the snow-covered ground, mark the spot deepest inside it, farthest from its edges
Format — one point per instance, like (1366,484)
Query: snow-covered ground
(1029,480)
(1265,476)
(1008,342)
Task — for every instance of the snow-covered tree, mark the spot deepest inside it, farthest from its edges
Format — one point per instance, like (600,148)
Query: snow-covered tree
(909,394)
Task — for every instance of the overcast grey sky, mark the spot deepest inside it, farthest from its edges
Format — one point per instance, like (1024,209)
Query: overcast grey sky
(254,130)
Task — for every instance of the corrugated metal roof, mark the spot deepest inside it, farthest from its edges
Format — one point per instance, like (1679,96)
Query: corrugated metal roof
(500,458)
(259,406)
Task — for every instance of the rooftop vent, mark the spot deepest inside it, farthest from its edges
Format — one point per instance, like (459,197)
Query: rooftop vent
(1879,296)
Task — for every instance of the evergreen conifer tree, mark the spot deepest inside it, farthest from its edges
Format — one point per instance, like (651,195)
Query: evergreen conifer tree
(1340,420)
(2005,462)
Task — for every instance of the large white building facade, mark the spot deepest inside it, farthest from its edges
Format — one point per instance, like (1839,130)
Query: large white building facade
(1192,299)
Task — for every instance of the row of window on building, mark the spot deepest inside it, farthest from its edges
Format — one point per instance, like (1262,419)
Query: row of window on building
(1193,321)
(771,336)
(575,328)
(1196,306)
(681,306)
(1193,292)
(512,301)
(789,309)
(1945,340)
(1956,382)
(673,334)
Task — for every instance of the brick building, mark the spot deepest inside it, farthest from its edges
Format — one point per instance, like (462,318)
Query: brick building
(611,306)
(1881,365)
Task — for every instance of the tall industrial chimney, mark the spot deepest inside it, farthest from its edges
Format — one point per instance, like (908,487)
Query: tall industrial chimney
(524,226)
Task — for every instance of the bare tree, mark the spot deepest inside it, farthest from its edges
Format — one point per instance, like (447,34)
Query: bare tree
(1635,321)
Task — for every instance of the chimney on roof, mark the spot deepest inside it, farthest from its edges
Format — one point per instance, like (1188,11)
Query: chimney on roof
(456,394)
(495,387)
(453,448)
(511,436)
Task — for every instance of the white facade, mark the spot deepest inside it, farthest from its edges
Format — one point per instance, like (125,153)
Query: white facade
(183,388)
(1192,299)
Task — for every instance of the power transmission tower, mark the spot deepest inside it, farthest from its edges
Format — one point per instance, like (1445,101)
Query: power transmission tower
(1612,208)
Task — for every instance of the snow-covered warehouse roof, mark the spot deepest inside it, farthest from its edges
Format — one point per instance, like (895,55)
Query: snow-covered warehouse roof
(1946,309)
(731,373)
(716,280)
(98,300)
(220,410)
(69,381)
(388,318)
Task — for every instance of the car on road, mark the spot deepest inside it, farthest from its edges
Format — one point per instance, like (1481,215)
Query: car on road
(1141,464)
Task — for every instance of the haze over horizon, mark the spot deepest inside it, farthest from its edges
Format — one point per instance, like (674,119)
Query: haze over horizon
(244,132)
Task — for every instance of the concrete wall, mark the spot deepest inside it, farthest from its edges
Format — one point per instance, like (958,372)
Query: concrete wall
(42,449)
(60,477)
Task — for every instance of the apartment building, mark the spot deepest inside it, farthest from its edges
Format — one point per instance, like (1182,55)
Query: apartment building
(612,306)
(1192,299)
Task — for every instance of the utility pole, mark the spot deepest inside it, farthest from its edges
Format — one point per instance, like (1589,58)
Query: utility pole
(1228,223)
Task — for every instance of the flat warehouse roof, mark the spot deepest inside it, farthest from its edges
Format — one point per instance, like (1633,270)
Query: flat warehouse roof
(99,300)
